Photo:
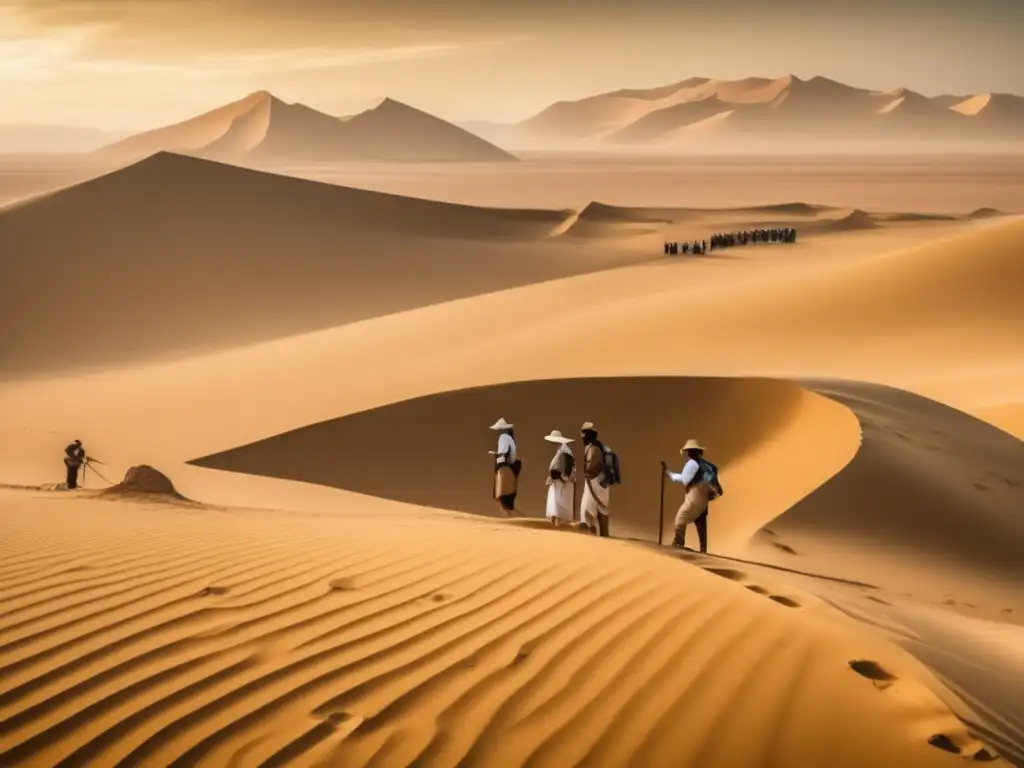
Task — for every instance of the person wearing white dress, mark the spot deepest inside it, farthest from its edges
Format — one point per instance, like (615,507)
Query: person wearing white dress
(561,481)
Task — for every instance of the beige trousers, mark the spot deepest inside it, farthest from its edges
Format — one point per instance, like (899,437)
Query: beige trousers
(693,505)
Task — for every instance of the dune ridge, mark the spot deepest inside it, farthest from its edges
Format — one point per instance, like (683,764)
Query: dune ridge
(643,419)
(704,111)
(259,255)
(261,129)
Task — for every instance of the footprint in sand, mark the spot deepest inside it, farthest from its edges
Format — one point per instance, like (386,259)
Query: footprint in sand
(877,599)
(786,601)
(212,591)
(735,575)
(874,672)
(342,585)
(947,744)
(727,573)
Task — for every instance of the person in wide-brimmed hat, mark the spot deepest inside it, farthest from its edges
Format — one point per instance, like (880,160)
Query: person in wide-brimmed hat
(506,466)
(596,492)
(700,478)
(561,481)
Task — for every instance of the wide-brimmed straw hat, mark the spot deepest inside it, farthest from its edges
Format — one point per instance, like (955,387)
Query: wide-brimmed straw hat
(691,445)
(557,437)
(588,426)
(501,424)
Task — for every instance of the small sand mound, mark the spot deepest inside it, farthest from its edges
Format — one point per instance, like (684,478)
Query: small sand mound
(144,480)
(854,220)
(986,213)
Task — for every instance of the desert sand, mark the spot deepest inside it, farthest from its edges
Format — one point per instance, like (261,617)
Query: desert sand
(764,114)
(261,129)
(315,572)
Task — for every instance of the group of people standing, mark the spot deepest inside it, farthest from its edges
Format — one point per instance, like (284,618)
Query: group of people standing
(601,471)
(730,239)
(697,247)
(774,235)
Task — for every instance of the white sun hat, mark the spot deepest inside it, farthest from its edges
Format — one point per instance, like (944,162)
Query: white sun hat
(501,424)
(557,437)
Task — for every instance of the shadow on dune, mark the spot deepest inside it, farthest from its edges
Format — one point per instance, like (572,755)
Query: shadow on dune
(432,451)
(176,256)
(928,479)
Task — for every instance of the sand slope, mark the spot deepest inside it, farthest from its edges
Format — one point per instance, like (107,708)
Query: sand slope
(185,637)
(643,419)
(777,109)
(176,254)
(262,129)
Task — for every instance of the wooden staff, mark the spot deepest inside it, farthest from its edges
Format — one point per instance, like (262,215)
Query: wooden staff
(661,503)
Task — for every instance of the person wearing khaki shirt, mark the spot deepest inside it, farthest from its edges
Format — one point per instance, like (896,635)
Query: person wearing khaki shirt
(594,508)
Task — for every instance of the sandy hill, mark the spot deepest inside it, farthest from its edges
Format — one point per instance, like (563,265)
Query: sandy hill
(864,559)
(898,442)
(598,220)
(262,129)
(783,108)
(176,253)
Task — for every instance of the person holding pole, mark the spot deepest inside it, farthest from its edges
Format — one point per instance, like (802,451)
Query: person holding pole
(700,479)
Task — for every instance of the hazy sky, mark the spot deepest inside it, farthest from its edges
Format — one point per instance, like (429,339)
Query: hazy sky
(128,64)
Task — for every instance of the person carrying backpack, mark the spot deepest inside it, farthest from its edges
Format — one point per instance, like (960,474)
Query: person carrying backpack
(700,479)
(600,472)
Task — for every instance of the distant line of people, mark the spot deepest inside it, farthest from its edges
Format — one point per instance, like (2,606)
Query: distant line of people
(601,471)
(696,247)
(731,239)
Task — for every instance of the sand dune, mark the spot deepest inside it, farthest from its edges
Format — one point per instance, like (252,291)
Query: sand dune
(603,221)
(641,418)
(256,255)
(168,621)
(891,487)
(783,109)
(261,129)
(923,470)
(266,639)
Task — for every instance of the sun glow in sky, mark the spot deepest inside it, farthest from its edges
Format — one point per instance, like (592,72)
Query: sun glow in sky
(131,64)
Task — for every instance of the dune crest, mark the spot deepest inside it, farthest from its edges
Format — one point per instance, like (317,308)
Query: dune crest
(261,129)
(645,420)
(280,256)
(772,111)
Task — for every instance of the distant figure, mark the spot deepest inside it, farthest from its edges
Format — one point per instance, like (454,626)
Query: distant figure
(74,457)
(561,481)
(506,466)
(596,493)
(700,479)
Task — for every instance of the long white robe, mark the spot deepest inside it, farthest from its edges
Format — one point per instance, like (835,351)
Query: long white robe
(560,492)
(595,499)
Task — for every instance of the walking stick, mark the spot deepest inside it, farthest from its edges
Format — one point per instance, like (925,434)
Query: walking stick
(661,504)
